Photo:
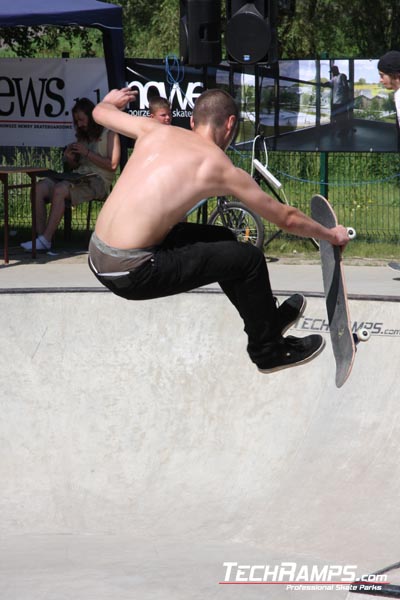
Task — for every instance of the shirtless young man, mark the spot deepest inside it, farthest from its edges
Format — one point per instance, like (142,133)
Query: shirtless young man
(141,250)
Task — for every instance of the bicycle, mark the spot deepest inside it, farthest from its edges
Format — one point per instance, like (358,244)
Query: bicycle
(245,224)
(236,216)
(260,171)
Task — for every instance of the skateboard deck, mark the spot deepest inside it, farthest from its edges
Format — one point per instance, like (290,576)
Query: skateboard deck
(343,343)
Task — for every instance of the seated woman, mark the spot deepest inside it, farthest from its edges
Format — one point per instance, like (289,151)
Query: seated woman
(95,155)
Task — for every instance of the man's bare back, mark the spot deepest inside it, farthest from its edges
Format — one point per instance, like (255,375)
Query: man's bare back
(170,170)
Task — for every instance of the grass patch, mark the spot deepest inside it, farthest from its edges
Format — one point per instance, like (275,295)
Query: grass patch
(289,247)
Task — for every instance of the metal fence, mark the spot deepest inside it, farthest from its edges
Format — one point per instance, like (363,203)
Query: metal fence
(364,188)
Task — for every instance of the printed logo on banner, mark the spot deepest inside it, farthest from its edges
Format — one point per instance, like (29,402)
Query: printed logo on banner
(42,96)
(37,95)
(180,97)
(181,88)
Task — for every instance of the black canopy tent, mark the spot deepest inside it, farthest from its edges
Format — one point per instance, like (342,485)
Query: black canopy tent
(84,13)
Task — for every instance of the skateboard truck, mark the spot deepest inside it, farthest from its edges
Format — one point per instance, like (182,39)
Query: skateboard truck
(362,334)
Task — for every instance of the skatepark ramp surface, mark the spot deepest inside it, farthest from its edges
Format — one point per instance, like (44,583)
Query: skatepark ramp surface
(144,456)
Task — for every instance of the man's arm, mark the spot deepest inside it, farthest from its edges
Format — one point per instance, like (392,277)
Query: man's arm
(283,216)
(109,114)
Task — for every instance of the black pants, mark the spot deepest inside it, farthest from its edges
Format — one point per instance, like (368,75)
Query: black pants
(340,117)
(194,255)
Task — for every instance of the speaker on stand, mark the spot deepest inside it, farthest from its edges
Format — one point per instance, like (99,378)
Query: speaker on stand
(251,31)
(200,32)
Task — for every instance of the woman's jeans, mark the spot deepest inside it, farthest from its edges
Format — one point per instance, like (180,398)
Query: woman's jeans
(194,255)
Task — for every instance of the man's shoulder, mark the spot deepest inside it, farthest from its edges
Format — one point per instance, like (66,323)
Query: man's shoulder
(235,176)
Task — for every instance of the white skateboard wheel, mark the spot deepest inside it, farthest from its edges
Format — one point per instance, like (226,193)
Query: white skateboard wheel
(363,335)
(352,232)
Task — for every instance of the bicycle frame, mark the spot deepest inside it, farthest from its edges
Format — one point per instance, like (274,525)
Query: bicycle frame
(259,170)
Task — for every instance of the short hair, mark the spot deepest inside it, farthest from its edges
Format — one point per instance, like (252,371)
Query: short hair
(214,107)
(389,63)
(157,103)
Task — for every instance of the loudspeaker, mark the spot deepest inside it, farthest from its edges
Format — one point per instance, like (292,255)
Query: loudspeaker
(200,32)
(250,31)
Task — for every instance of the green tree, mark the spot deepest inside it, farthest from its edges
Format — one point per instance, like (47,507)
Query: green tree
(339,28)
(315,28)
(374,25)
(150,32)
(51,41)
(360,28)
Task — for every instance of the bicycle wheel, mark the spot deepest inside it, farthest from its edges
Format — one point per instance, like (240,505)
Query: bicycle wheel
(245,224)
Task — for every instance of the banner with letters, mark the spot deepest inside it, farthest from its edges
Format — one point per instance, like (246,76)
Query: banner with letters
(37,95)
(181,85)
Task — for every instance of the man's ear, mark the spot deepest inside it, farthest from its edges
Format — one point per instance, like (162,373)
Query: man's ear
(191,122)
(231,122)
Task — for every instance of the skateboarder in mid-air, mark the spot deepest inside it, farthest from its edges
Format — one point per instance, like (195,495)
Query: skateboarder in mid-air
(141,249)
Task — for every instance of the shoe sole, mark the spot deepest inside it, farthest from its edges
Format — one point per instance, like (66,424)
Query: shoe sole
(296,320)
(295,364)
(43,250)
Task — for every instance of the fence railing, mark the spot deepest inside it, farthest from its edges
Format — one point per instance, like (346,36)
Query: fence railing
(364,188)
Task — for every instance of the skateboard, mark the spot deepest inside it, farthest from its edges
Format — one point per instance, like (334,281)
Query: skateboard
(343,340)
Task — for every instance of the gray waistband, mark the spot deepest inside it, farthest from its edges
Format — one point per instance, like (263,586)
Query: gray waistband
(120,252)
(115,262)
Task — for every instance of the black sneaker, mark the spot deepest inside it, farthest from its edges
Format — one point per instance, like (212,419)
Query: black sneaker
(292,351)
(290,311)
